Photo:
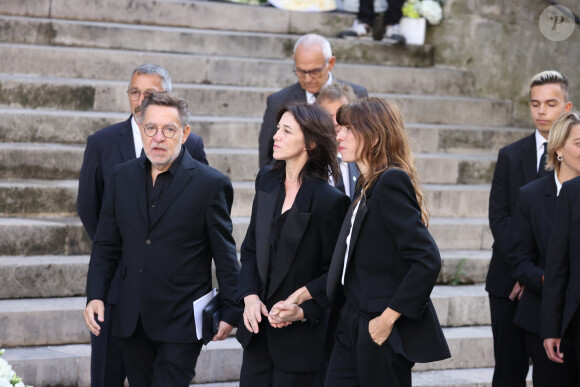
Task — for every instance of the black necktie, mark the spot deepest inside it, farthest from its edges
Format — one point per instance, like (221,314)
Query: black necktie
(542,168)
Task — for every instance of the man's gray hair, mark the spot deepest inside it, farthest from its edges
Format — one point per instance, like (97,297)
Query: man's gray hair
(149,68)
(551,77)
(310,40)
(163,98)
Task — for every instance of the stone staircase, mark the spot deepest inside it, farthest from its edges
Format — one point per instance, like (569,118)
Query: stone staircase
(64,69)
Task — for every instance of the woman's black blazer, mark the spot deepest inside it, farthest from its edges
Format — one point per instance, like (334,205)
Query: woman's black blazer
(303,258)
(393,262)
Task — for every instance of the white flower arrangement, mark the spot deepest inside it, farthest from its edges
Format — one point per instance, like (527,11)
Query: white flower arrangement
(429,9)
(8,377)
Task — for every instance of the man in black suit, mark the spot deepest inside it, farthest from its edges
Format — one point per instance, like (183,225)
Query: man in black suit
(330,98)
(164,216)
(561,291)
(517,165)
(105,149)
(313,63)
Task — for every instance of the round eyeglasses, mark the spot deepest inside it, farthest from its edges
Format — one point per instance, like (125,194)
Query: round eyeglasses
(152,129)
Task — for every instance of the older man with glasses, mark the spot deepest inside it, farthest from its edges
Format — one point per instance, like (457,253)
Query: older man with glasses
(105,149)
(313,63)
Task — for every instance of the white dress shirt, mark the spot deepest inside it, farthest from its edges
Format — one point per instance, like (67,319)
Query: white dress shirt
(540,140)
(137,142)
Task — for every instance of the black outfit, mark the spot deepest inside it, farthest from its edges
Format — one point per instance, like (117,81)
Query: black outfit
(105,149)
(516,166)
(293,93)
(163,256)
(281,253)
(561,291)
(393,262)
(532,222)
(366,12)
(353,174)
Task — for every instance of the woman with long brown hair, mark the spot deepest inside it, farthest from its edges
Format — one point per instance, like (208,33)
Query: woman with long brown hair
(385,263)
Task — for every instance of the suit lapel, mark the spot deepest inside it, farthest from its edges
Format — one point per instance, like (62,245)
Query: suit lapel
(139,185)
(126,143)
(337,262)
(265,214)
(353,174)
(528,158)
(292,234)
(183,174)
(550,192)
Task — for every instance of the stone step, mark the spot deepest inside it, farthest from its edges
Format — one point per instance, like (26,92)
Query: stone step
(223,68)
(470,377)
(45,276)
(54,32)
(29,197)
(63,161)
(464,266)
(42,276)
(68,365)
(38,197)
(24,320)
(100,95)
(69,126)
(185,13)
(66,236)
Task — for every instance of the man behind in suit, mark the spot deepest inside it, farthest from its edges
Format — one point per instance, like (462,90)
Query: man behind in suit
(164,217)
(330,98)
(517,164)
(105,149)
(313,63)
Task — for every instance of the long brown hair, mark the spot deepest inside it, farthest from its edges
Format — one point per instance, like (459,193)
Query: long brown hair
(379,124)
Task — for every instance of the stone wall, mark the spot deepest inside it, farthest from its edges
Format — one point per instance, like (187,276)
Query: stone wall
(500,41)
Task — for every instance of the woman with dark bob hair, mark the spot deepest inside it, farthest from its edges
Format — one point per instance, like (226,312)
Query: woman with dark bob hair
(296,218)
(385,263)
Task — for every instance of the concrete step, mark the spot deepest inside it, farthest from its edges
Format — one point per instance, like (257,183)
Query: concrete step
(45,276)
(40,276)
(68,365)
(69,126)
(63,161)
(24,321)
(43,236)
(100,95)
(226,67)
(471,377)
(29,197)
(38,197)
(464,266)
(54,32)
(201,14)
(54,235)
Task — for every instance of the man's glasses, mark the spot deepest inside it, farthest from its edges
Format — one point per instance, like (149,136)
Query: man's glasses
(134,95)
(168,130)
(314,73)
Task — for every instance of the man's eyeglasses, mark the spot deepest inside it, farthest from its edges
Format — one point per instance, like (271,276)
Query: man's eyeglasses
(168,130)
(315,73)
(134,95)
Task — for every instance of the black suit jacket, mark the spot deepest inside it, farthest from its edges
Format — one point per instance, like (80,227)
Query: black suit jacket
(532,223)
(166,265)
(303,258)
(105,149)
(393,262)
(561,292)
(293,93)
(516,166)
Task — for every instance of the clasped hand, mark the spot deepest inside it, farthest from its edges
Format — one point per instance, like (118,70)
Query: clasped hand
(281,315)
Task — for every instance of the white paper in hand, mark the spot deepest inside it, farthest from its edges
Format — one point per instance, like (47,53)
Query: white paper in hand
(198,306)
